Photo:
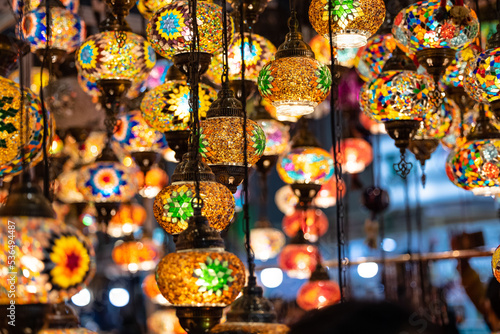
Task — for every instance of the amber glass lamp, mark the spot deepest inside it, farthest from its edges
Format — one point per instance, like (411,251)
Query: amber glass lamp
(278,82)
(312,221)
(151,182)
(319,291)
(136,255)
(299,258)
(151,290)
(357,154)
(129,218)
(351,22)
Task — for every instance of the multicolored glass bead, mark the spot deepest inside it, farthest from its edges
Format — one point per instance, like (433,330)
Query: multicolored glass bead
(483,76)
(277,136)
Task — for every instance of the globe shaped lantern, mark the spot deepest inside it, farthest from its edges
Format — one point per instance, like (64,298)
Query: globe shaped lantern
(343,57)
(279,84)
(435,30)
(266,241)
(129,218)
(312,221)
(21,7)
(473,165)
(357,154)
(164,321)
(66,189)
(319,291)
(173,208)
(151,290)
(299,258)
(454,77)
(152,182)
(350,22)
(135,255)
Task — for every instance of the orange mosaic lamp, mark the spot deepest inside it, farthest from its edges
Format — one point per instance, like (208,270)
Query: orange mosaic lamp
(319,291)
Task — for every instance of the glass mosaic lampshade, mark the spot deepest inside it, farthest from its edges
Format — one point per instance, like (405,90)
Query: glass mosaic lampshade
(298,260)
(66,189)
(321,48)
(312,221)
(24,6)
(277,136)
(319,291)
(164,321)
(495,259)
(266,241)
(352,22)
(129,218)
(357,154)
(279,84)
(152,182)
(135,255)
(305,165)
(151,290)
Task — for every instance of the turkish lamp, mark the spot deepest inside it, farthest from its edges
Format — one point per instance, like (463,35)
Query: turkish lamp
(265,240)
(279,84)
(299,258)
(62,319)
(251,313)
(186,278)
(10,47)
(474,165)
(319,291)
(222,143)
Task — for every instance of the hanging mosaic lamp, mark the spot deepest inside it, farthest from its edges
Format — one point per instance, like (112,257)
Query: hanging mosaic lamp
(136,255)
(173,208)
(299,258)
(222,141)
(319,291)
(306,166)
(251,9)
(279,84)
(24,6)
(152,182)
(343,57)
(166,109)
(67,31)
(251,313)
(265,240)
(484,73)
(170,33)
(474,165)
(400,97)
(434,31)
(54,260)
(312,221)
(129,218)
(62,319)
(200,277)
(66,189)
(435,126)
(357,154)
(351,22)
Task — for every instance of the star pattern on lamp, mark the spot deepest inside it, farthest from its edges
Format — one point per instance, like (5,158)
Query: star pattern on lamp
(178,206)
(214,276)
(344,11)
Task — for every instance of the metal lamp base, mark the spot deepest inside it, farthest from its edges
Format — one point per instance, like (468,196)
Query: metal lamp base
(199,320)
(178,141)
(230,176)
(436,61)
(145,160)
(182,61)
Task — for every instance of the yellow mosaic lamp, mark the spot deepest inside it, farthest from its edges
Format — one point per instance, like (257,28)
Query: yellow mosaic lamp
(352,21)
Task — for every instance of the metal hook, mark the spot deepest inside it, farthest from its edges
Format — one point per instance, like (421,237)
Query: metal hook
(403,167)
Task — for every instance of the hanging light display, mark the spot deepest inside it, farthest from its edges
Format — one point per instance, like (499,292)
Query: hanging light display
(299,258)
(265,240)
(135,255)
(351,22)
(310,220)
(357,154)
(321,48)
(473,165)
(170,32)
(129,218)
(222,142)
(278,82)
(66,189)
(434,30)
(166,109)
(173,208)
(319,291)
(21,6)
(55,261)
(67,31)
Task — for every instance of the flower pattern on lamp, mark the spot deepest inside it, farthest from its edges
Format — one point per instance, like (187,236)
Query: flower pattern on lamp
(312,221)
(106,181)
(357,154)
(200,278)
(136,255)
(102,57)
(135,135)
(128,219)
(53,261)
(371,58)
(68,30)
(321,48)
(277,136)
(305,165)
(169,30)
(399,95)
(351,21)
(11,138)
(266,242)
(317,294)
(417,27)
(475,166)
(484,75)
(294,85)
(260,51)
(166,108)
(221,141)
(298,261)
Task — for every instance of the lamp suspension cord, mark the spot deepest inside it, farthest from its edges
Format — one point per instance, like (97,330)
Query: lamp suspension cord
(336,128)
(419,241)
(22,116)
(225,48)
(246,215)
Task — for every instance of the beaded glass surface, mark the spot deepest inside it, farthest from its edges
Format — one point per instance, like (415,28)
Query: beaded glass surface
(147,8)
(436,124)
(352,21)
(169,30)
(294,85)
(484,73)
(305,165)
(200,277)
(417,27)
(495,259)
(53,261)
(399,95)
(298,261)
(68,31)
(321,48)
(277,136)
(475,166)
(107,56)
(172,207)
(454,74)
(166,108)
(222,142)
(24,6)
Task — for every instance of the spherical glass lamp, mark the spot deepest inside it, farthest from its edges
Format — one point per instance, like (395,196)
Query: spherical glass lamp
(147,8)
(151,290)
(321,48)
(13,143)
(454,76)
(66,189)
(352,22)
(222,142)
(311,221)
(327,195)
(305,165)
(105,57)
(357,154)
(294,82)
(172,207)
(277,136)
(68,32)
(23,6)
(129,218)
(473,87)
(135,255)
(319,291)
(151,182)
(266,241)
(298,260)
